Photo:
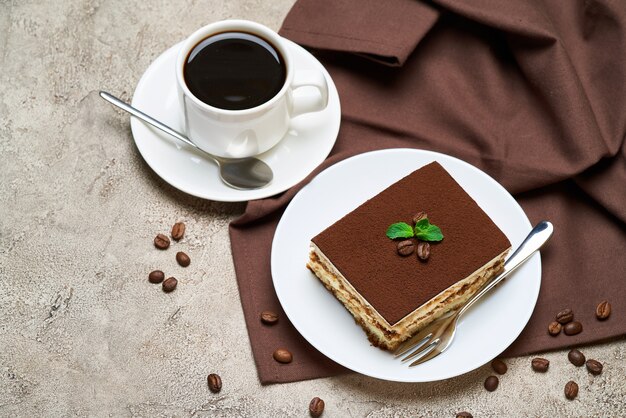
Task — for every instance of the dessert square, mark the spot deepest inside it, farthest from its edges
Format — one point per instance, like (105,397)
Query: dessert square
(392,296)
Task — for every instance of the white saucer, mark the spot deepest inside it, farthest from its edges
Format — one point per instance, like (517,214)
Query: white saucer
(484,332)
(307,143)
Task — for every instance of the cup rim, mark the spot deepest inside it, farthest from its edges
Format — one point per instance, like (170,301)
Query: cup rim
(233,25)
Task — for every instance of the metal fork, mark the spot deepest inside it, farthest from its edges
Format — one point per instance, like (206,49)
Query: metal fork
(437,337)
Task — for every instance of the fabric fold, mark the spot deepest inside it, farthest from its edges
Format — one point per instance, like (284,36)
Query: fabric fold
(372,29)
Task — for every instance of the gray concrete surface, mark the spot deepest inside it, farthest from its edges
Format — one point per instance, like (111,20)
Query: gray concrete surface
(82,333)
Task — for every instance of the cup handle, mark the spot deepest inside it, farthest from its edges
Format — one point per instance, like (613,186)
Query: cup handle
(301,103)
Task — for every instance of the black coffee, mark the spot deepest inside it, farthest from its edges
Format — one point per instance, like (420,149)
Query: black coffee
(234,71)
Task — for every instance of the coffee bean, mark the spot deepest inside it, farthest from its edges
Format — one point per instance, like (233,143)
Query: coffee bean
(156,276)
(603,310)
(576,357)
(540,364)
(464,415)
(419,216)
(406,247)
(565,316)
(491,383)
(169,284)
(316,407)
(269,317)
(215,382)
(178,231)
(423,250)
(571,390)
(183,259)
(573,328)
(161,242)
(594,367)
(498,366)
(283,355)
(554,328)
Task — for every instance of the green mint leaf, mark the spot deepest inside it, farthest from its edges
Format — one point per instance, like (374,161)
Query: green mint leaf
(400,230)
(426,231)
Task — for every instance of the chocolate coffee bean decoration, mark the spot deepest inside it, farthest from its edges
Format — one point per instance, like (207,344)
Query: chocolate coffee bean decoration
(170,284)
(594,367)
(269,317)
(406,247)
(215,382)
(316,407)
(161,242)
(491,383)
(571,390)
(576,357)
(554,328)
(499,366)
(156,276)
(603,310)
(419,216)
(423,250)
(464,415)
(565,316)
(283,355)
(183,259)
(573,328)
(540,364)
(178,231)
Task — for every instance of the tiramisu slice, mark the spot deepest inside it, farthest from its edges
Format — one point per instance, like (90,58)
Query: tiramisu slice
(395,287)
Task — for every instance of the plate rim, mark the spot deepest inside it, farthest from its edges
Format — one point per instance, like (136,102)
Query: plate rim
(334,121)
(434,154)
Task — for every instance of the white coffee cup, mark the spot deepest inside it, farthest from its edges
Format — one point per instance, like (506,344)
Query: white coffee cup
(248,132)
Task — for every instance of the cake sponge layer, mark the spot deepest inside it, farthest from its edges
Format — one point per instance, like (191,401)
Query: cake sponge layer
(389,336)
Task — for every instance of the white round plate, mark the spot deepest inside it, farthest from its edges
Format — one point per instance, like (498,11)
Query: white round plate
(307,143)
(484,331)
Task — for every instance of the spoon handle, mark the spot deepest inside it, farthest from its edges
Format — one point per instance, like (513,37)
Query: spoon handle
(534,241)
(148,119)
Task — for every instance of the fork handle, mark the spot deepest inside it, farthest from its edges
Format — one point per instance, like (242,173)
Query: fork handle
(538,236)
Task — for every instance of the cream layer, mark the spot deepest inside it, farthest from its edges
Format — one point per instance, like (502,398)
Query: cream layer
(379,331)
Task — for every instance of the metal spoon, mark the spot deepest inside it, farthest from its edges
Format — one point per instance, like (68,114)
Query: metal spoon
(240,173)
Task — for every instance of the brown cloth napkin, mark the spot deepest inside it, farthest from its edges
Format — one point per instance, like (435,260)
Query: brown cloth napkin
(532,92)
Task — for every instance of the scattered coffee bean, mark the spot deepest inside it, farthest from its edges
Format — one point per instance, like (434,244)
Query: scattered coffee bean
(464,415)
(565,316)
(603,310)
(183,259)
(423,250)
(491,383)
(576,357)
(161,242)
(573,328)
(283,355)
(316,407)
(419,216)
(178,231)
(269,317)
(406,247)
(169,284)
(554,328)
(540,364)
(594,367)
(215,382)
(571,390)
(499,366)
(156,276)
